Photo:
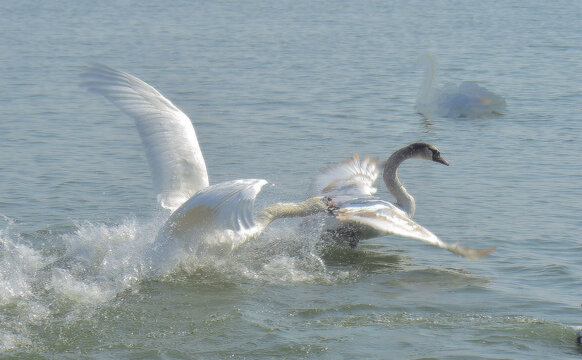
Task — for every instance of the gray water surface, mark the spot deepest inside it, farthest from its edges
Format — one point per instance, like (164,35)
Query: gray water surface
(278,91)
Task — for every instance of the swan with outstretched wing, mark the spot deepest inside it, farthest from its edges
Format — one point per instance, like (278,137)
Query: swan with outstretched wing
(202,216)
(359,215)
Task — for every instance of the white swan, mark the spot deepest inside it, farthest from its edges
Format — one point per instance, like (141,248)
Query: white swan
(359,215)
(455,101)
(202,215)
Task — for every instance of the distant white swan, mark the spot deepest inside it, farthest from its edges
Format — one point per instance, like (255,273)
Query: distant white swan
(360,215)
(455,101)
(202,216)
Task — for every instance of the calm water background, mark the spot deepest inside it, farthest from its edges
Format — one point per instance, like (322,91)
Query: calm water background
(278,90)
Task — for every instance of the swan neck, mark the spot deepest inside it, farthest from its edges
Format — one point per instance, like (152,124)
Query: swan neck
(287,210)
(426,88)
(404,200)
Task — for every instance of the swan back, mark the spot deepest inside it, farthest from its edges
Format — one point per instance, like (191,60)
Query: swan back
(176,163)
(220,214)
(466,100)
(348,179)
(225,206)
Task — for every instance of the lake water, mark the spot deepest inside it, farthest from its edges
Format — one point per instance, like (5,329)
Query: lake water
(278,90)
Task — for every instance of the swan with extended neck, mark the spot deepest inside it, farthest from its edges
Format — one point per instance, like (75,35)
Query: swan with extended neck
(359,215)
(404,200)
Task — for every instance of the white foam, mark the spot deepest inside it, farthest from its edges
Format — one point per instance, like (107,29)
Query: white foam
(77,272)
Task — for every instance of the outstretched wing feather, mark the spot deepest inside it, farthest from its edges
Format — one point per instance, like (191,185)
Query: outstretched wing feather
(174,156)
(350,178)
(388,219)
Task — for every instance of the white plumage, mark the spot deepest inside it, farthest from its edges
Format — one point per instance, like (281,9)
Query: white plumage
(466,100)
(204,218)
(350,178)
(177,166)
(217,219)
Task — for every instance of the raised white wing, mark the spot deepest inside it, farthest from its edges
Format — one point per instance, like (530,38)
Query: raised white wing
(387,218)
(176,162)
(350,178)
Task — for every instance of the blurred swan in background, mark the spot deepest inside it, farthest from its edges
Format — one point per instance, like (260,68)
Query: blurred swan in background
(467,100)
(202,215)
(359,215)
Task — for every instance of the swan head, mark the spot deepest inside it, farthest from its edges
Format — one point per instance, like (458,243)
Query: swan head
(427,151)
(318,204)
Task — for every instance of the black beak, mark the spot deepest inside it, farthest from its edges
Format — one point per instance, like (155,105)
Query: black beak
(438,158)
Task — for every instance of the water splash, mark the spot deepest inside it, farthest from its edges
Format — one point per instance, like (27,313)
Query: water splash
(68,277)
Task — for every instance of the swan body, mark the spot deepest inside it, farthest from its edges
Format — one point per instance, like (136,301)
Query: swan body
(467,99)
(203,217)
(359,215)
(174,156)
(219,218)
